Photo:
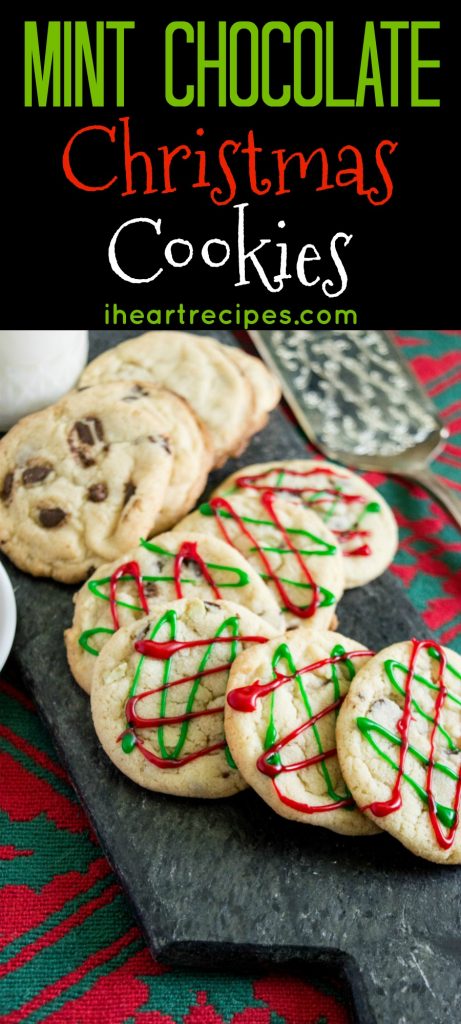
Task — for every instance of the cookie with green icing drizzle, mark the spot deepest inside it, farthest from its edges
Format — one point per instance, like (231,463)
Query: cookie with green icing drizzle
(158,695)
(165,568)
(358,516)
(282,705)
(294,552)
(399,745)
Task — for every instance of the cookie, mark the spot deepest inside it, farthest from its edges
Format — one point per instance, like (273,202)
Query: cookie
(281,709)
(158,696)
(195,367)
(166,568)
(191,451)
(264,385)
(82,480)
(399,746)
(289,546)
(356,514)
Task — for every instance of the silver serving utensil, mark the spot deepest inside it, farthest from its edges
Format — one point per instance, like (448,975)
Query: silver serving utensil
(358,402)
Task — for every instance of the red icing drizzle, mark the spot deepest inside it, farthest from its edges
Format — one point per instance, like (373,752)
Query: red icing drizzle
(143,723)
(267,501)
(276,769)
(244,699)
(127,569)
(189,550)
(382,808)
(163,650)
(326,494)
(363,551)
(311,808)
(175,762)
(249,482)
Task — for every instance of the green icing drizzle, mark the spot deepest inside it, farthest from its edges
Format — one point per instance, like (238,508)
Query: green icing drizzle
(85,637)
(321,547)
(239,578)
(128,743)
(446,815)
(229,758)
(389,668)
(283,654)
(170,619)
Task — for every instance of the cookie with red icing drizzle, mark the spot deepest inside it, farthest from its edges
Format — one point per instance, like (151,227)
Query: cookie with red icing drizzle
(294,552)
(360,519)
(158,695)
(282,705)
(165,568)
(399,745)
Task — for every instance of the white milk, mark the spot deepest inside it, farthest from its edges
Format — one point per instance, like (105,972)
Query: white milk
(36,368)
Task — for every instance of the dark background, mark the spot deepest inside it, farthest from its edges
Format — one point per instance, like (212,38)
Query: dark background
(402,262)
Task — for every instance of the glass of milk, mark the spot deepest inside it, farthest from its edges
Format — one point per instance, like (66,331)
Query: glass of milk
(37,368)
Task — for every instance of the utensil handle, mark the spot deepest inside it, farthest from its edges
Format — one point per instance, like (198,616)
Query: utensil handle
(440,490)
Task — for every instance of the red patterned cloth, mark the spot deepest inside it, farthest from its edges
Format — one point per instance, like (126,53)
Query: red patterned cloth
(70,952)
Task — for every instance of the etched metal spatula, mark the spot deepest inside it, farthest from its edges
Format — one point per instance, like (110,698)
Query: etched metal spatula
(358,402)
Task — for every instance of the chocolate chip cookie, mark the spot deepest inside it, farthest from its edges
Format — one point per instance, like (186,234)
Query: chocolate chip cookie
(82,480)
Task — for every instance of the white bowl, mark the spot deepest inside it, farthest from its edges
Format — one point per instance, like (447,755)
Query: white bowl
(7,616)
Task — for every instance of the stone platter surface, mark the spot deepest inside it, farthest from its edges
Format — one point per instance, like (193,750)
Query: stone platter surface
(228,882)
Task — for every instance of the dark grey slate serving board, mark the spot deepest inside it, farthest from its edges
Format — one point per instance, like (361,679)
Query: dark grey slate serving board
(228,883)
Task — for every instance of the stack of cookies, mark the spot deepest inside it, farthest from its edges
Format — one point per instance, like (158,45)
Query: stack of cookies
(207,639)
(128,453)
(230,392)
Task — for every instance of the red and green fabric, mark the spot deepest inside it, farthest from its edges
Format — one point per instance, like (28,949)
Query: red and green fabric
(70,952)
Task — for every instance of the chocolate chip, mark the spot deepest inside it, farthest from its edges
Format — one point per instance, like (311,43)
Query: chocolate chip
(97,492)
(162,441)
(130,489)
(136,392)
(192,566)
(89,430)
(381,704)
(7,486)
(50,517)
(85,434)
(150,589)
(35,474)
(225,775)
